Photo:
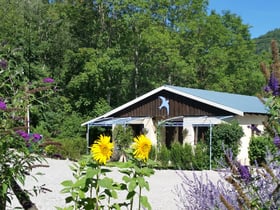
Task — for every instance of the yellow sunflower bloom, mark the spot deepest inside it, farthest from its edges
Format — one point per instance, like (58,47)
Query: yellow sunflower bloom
(102,149)
(142,147)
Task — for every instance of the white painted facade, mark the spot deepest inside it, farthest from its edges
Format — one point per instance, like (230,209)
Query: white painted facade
(190,125)
(245,122)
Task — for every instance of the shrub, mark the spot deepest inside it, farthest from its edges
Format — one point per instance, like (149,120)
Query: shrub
(73,148)
(164,156)
(258,148)
(188,156)
(181,155)
(153,153)
(201,157)
(176,154)
(225,136)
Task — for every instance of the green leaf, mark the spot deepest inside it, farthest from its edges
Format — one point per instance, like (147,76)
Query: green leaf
(114,194)
(111,193)
(67,183)
(130,195)
(82,194)
(91,172)
(144,201)
(147,171)
(68,199)
(142,182)
(126,179)
(116,206)
(127,164)
(105,170)
(106,183)
(80,183)
(132,185)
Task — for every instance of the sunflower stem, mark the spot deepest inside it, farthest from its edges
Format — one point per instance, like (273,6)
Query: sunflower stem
(140,192)
(97,189)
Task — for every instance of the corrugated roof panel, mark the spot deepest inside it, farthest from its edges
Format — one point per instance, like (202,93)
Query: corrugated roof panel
(114,121)
(244,103)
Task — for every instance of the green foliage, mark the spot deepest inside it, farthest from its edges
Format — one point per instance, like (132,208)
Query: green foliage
(176,155)
(101,107)
(51,150)
(122,136)
(19,150)
(259,147)
(71,126)
(225,136)
(201,156)
(181,155)
(153,153)
(164,156)
(73,147)
(263,43)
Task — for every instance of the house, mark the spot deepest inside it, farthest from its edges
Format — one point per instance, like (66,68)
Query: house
(170,113)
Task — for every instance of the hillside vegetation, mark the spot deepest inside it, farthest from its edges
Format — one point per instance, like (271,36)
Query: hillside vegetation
(263,43)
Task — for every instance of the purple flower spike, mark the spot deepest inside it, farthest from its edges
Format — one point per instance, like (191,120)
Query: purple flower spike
(273,85)
(276,141)
(244,173)
(48,80)
(3,105)
(23,135)
(36,137)
(3,64)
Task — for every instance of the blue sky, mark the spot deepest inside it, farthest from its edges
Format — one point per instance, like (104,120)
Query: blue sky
(262,16)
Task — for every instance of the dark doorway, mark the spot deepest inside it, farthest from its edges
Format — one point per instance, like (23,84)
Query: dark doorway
(173,134)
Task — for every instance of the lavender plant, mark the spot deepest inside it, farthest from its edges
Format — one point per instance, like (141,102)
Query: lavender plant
(243,187)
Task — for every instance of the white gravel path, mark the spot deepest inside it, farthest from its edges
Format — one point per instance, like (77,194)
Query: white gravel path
(161,196)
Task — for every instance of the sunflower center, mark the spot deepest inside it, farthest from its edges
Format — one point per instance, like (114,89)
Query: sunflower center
(104,150)
(145,148)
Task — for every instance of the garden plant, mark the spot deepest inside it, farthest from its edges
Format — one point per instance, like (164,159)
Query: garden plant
(93,188)
(19,148)
(244,187)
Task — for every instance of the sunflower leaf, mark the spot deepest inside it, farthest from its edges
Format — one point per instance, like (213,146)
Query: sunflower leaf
(144,201)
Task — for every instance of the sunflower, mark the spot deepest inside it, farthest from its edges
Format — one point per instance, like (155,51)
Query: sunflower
(102,149)
(142,147)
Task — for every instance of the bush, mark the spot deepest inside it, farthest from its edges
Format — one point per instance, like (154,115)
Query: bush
(201,157)
(188,156)
(258,148)
(176,154)
(225,136)
(73,148)
(153,153)
(181,156)
(164,156)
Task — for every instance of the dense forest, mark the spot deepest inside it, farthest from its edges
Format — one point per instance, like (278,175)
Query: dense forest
(102,54)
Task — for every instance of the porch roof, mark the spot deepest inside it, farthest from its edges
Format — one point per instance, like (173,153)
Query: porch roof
(108,122)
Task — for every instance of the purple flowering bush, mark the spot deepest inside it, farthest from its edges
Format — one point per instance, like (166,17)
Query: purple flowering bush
(243,187)
(19,149)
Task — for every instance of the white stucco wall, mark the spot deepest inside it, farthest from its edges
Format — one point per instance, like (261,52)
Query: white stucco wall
(151,130)
(245,122)
(189,138)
